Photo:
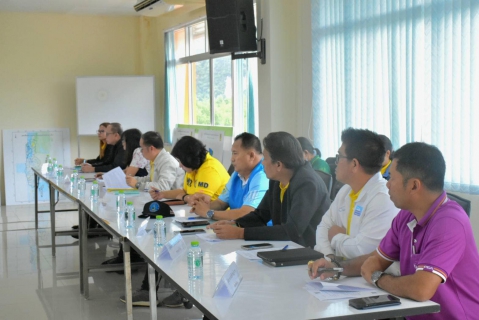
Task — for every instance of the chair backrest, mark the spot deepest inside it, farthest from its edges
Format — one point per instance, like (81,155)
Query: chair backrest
(231,169)
(336,186)
(332,165)
(464,203)
(328,180)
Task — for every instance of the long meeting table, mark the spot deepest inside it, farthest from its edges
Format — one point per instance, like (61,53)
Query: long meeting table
(264,293)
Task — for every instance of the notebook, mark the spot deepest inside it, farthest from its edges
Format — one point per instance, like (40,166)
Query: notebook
(291,257)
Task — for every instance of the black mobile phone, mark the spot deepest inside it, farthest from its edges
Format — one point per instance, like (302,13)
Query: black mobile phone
(375,302)
(256,246)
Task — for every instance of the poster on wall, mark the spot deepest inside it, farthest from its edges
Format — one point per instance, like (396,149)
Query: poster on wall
(26,149)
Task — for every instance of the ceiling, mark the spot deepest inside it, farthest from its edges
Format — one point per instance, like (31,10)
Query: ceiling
(95,7)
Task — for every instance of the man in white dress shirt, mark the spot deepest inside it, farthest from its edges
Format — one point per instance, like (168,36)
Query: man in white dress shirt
(362,211)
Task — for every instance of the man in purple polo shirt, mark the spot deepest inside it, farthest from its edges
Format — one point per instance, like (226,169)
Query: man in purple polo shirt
(431,237)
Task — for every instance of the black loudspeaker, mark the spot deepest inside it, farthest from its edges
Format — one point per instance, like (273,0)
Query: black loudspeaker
(231,25)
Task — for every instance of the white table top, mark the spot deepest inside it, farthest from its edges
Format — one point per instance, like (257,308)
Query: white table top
(264,293)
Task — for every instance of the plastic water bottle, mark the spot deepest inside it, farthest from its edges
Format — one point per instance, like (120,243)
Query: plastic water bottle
(74,179)
(94,191)
(50,166)
(195,261)
(121,202)
(55,166)
(60,172)
(130,211)
(81,186)
(47,158)
(159,231)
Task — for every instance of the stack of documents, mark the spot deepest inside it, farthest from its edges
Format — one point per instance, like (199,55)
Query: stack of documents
(336,291)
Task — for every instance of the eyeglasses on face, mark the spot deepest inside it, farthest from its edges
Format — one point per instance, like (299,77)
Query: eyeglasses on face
(108,133)
(338,157)
(100,131)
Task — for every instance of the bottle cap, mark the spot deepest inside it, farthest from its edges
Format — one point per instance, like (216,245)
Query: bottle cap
(159,217)
(82,177)
(195,243)
(130,203)
(121,192)
(95,182)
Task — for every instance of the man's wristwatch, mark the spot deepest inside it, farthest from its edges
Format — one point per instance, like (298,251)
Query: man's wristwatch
(210,214)
(376,276)
(137,185)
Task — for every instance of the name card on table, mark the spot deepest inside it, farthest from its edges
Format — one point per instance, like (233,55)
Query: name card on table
(229,282)
(173,248)
(142,229)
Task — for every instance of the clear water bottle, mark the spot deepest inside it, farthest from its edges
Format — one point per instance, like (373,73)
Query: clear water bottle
(60,172)
(55,166)
(74,179)
(195,261)
(130,211)
(121,202)
(81,187)
(94,191)
(159,231)
(47,158)
(50,166)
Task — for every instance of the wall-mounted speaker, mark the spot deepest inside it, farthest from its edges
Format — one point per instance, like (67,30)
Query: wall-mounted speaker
(231,25)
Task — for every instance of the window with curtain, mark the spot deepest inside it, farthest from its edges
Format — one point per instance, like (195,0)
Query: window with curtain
(406,69)
(206,89)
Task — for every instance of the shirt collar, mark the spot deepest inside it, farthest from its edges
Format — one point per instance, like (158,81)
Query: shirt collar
(366,187)
(432,210)
(158,156)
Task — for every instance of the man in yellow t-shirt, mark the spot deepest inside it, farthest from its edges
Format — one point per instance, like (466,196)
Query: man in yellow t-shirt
(204,174)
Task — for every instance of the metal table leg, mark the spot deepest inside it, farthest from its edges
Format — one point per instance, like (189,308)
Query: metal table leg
(36,178)
(126,259)
(52,217)
(80,251)
(83,235)
(152,285)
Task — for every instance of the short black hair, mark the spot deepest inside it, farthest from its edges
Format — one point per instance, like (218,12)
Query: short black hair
(365,146)
(249,141)
(422,161)
(116,128)
(190,151)
(283,147)
(153,138)
(387,145)
(306,145)
(132,141)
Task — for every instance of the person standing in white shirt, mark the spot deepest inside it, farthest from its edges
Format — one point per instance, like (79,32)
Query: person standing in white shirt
(362,211)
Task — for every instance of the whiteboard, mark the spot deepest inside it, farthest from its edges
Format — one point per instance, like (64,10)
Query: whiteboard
(128,100)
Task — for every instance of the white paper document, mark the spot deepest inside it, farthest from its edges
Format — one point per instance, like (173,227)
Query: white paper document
(334,291)
(115,179)
(209,237)
(189,219)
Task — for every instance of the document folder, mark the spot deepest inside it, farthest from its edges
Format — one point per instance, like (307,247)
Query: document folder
(291,257)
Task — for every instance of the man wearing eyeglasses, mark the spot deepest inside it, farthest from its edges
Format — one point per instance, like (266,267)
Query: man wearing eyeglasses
(117,155)
(362,211)
(165,172)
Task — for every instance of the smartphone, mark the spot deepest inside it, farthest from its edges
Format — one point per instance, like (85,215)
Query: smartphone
(190,231)
(256,246)
(375,302)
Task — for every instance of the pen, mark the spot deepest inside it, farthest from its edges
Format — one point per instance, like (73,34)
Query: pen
(193,218)
(285,247)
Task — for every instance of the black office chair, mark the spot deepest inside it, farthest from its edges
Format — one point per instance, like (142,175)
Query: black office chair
(231,169)
(331,161)
(336,186)
(327,178)
(464,203)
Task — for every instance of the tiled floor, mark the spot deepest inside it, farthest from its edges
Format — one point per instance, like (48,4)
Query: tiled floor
(34,285)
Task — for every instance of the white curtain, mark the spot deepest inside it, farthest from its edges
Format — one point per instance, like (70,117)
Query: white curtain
(406,69)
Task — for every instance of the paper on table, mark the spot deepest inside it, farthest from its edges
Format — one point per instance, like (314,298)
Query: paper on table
(115,179)
(335,291)
(209,237)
